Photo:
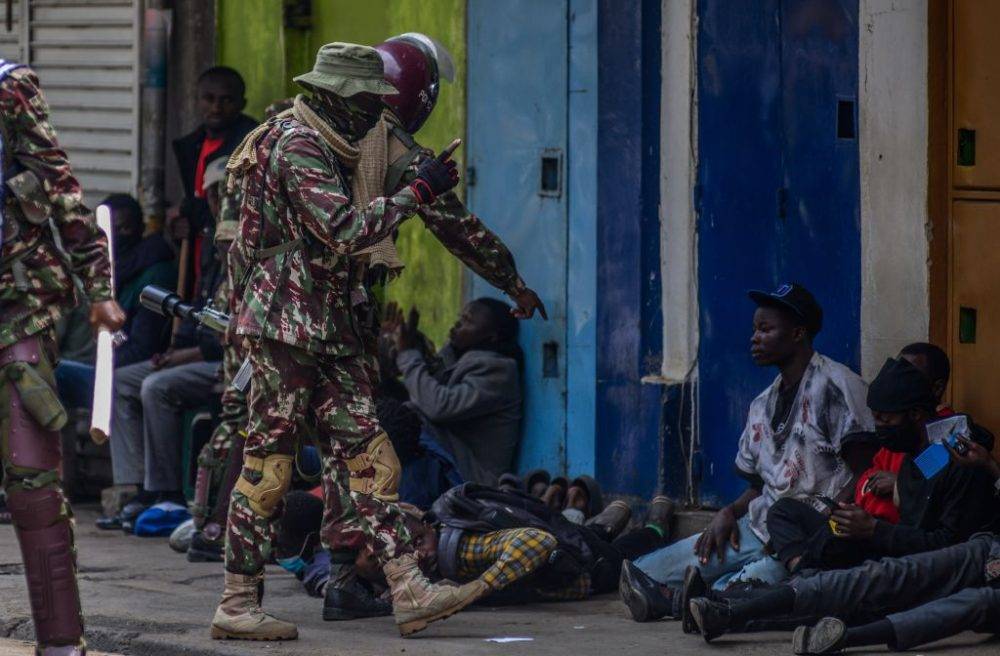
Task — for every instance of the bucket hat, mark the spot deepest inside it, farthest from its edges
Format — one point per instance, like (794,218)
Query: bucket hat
(347,69)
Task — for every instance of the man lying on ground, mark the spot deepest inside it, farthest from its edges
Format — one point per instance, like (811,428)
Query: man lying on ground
(807,416)
(537,555)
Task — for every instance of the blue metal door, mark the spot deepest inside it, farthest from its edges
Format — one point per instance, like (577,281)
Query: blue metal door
(515,151)
(778,195)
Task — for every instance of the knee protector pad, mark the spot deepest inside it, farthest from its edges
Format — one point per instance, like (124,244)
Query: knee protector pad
(377,470)
(275,475)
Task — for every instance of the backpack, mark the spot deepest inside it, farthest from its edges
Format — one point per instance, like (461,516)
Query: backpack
(473,508)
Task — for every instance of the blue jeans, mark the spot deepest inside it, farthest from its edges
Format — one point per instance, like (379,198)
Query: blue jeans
(75,383)
(749,563)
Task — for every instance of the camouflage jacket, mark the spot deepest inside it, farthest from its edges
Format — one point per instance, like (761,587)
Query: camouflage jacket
(461,231)
(298,194)
(31,303)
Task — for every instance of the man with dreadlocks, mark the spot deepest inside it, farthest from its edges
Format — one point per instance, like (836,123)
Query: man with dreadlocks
(312,193)
(48,238)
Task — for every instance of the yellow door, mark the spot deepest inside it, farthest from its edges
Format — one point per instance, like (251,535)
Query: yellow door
(975,311)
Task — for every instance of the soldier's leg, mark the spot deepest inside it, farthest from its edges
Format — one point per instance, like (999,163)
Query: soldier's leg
(219,466)
(41,515)
(214,456)
(364,464)
(283,382)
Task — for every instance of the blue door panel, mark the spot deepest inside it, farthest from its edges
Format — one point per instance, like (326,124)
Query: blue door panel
(517,106)
(777,195)
(739,144)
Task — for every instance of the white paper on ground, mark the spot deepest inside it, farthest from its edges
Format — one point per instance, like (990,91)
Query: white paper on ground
(503,640)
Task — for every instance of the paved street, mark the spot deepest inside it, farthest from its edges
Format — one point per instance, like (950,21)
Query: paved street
(142,598)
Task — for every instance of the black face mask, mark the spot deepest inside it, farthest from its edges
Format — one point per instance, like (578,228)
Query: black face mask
(900,439)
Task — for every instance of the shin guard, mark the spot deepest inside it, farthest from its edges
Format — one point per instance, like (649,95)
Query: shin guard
(45,534)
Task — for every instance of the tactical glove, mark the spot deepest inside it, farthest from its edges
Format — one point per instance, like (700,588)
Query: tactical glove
(434,177)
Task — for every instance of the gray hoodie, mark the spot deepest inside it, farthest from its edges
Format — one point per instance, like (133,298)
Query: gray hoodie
(472,405)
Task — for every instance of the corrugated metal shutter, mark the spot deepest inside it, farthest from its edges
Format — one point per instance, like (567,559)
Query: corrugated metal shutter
(10,42)
(86,53)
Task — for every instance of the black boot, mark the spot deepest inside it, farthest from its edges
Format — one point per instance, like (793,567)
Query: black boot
(348,597)
(207,545)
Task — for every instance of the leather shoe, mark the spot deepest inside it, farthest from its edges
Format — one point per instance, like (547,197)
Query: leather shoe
(694,586)
(711,617)
(347,597)
(130,513)
(642,595)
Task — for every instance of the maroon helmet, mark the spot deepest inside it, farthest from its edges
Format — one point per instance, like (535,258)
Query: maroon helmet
(414,63)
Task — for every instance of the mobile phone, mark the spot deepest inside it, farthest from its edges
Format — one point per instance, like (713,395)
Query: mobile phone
(828,502)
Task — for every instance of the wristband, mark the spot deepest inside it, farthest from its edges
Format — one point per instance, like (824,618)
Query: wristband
(423,192)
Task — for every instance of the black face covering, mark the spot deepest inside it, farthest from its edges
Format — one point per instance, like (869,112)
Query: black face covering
(900,439)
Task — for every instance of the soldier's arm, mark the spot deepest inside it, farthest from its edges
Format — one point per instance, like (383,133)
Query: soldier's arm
(467,238)
(36,148)
(317,193)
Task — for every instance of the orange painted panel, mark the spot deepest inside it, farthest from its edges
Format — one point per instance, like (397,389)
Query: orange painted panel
(976,288)
(977,92)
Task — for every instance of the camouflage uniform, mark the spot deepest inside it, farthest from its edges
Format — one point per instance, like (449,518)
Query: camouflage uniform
(36,288)
(212,460)
(296,155)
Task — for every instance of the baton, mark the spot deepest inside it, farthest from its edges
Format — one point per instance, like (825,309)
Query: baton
(100,416)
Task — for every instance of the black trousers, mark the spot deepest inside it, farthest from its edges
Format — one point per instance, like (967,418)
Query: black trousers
(799,530)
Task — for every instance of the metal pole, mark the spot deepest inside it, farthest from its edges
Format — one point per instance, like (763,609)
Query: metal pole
(155,40)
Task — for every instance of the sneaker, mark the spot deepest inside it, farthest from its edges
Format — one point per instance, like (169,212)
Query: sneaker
(642,595)
(826,637)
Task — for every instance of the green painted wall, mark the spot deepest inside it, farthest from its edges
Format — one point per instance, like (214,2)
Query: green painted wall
(252,41)
(250,38)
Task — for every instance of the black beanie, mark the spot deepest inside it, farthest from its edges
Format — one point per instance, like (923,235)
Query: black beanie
(899,387)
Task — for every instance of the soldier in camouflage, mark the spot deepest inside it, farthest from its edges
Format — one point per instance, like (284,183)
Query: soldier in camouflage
(414,64)
(220,459)
(49,238)
(300,222)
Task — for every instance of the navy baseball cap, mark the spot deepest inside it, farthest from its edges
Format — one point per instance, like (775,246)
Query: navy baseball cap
(796,299)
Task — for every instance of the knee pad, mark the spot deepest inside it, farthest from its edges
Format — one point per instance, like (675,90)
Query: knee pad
(275,475)
(377,470)
(35,508)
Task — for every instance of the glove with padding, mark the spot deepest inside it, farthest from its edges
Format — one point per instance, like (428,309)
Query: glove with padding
(434,177)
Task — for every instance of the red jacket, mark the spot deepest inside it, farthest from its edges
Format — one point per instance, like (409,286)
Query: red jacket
(885,460)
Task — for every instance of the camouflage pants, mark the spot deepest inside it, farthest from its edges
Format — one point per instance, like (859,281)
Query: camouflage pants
(214,456)
(292,387)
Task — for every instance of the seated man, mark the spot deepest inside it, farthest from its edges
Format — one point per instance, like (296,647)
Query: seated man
(139,261)
(802,537)
(803,418)
(935,513)
(470,397)
(874,490)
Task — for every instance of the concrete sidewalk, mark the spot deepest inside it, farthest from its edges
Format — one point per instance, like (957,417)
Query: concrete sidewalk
(142,598)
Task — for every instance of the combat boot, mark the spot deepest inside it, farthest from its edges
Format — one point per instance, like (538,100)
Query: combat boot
(240,617)
(416,602)
(347,597)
